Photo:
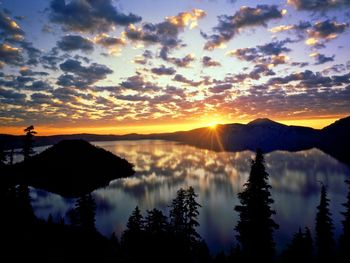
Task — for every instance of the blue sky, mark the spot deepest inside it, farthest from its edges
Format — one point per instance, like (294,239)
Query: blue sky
(145,66)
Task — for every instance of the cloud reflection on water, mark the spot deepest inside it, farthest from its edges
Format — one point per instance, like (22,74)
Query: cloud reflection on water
(163,167)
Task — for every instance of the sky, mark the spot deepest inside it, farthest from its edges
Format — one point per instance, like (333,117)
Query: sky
(117,67)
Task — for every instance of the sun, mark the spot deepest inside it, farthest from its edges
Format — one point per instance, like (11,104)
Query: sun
(212,125)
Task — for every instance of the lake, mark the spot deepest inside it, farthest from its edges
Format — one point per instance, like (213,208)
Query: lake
(162,167)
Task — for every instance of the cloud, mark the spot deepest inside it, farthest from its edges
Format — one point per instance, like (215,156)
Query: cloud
(113,44)
(10,94)
(300,27)
(186,18)
(270,53)
(9,29)
(51,59)
(28,72)
(309,79)
(325,31)
(260,70)
(80,76)
(321,58)
(220,88)
(162,70)
(182,62)
(41,98)
(317,5)
(183,79)
(11,97)
(137,83)
(10,55)
(245,17)
(147,54)
(39,85)
(75,42)
(89,16)
(209,62)
(164,33)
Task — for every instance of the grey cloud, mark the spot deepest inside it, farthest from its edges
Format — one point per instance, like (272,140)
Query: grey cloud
(78,75)
(209,62)
(321,59)
(229,26)
(10,55)
(162,70)
(89,15)
(75,42)
(182,62)
(138,83)
(220,88)
(183,79)
(9,28)
(318,5)
(39,85)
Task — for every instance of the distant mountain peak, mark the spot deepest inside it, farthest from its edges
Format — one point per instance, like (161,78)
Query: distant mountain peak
(264,121)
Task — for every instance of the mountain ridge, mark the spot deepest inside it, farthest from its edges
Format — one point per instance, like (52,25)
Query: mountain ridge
(260,133)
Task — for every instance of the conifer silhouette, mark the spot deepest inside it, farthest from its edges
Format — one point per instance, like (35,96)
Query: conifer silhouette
(84,212)
(255,226)
(345,237)
(324,229)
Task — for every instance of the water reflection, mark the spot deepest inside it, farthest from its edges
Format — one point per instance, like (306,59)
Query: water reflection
(163,167)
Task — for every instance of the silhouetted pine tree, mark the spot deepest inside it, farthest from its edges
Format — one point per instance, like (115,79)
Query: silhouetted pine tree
(156,223)
(2,155)
(300,248)
(324,229)
(345,237)
(178,212)
(24,200)
(28,142)
(255,226)
(84,212)
(11,156)
(192,214)
(132,240)
(308,242)
(157,237)
(25,209)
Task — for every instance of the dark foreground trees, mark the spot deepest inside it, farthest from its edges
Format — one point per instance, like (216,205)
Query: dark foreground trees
(255,226)
(345,237)
(84,212)
(158,237)
(155,237)
(324,229)
(300,248)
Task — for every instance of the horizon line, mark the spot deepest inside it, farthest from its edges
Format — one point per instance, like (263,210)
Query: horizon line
(326,121)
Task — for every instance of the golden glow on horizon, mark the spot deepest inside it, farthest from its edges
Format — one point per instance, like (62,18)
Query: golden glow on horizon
(212,125)
(318,123)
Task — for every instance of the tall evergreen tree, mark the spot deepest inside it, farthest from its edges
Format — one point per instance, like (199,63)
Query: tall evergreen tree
(300,248)
(255,226)
(345,237)
(85,208)
(28,141)
(12,153)
(308,245)
(25,209)
(135,223)
(192,215)
(84,212)
(324,229)
(2,155)
(132,240)
(178,212)
(156,223)
(24,200)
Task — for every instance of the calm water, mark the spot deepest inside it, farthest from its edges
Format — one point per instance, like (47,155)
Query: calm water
(163,167)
